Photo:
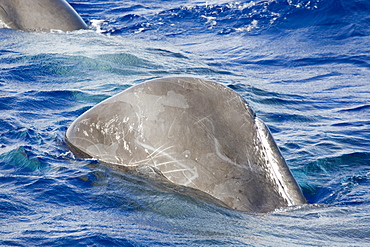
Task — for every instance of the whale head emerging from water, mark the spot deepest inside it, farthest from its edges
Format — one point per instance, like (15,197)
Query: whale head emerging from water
(39,15)
(194,133)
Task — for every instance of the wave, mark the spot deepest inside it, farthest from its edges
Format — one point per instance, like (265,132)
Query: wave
(340,180)
(340,19)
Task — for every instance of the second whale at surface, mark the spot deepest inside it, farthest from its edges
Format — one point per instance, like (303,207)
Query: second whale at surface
(192,133)
(39,15)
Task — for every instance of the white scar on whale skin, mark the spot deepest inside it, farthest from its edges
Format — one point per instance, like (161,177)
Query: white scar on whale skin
(217,146)
(184,167)
(3,24)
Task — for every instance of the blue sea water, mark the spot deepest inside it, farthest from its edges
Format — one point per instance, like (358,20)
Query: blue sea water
(303,66)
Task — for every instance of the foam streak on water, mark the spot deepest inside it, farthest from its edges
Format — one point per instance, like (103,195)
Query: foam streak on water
(302,65)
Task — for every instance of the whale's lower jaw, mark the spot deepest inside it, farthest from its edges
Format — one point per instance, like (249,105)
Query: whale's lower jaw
(192,133)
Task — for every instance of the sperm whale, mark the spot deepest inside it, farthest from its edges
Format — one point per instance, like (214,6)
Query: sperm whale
(39,15)
(192,133)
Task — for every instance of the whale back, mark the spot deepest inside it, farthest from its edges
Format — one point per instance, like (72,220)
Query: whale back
(193,133)
(39,15)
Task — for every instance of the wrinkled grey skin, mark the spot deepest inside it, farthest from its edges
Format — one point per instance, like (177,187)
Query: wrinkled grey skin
(39,15)
(194,133)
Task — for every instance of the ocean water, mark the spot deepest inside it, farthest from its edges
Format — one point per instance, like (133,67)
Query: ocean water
(303,66)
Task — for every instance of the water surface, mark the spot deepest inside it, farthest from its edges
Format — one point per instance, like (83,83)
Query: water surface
(302,65)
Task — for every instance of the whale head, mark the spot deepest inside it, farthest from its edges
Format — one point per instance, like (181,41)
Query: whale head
(193,133)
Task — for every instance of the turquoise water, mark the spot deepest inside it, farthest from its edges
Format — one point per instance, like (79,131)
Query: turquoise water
(302,65)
